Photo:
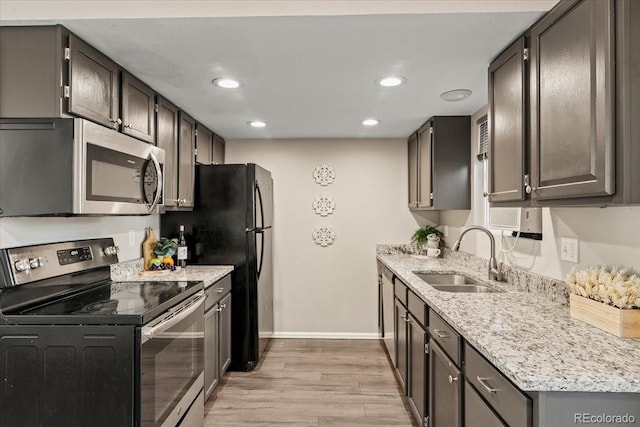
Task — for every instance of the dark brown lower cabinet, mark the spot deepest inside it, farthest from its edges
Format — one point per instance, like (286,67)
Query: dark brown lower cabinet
(417,368)
(445,389)
(477,412)
(400,323)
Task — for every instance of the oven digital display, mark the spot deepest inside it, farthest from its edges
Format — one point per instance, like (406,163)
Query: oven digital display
(70,256)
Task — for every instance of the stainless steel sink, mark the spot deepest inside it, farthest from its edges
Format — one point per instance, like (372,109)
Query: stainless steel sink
(446,279)
(454,283)
(465,288)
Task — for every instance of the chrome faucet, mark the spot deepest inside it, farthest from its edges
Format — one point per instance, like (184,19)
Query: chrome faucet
(495,270)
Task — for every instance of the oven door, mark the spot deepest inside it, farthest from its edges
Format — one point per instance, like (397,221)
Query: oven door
(171,363)
(120,175)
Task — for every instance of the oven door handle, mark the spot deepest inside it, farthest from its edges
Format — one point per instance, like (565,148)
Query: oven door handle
(156,164)
(174,317)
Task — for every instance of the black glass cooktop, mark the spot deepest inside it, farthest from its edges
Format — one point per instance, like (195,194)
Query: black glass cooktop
(110,303)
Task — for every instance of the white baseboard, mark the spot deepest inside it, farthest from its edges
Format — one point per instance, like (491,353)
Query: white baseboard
(329,335)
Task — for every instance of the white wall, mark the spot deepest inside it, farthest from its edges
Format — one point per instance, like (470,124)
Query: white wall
(607,235)
(331,291)
(28,231)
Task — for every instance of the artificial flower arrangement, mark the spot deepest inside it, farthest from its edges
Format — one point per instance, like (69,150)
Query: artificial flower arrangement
(607,298)
(613,286)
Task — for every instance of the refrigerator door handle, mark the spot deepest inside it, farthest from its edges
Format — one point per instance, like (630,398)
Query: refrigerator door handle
(261,226)
(261,231)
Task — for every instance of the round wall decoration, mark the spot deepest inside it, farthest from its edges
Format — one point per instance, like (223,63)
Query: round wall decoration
(324,174)
(324,236)
(324,205)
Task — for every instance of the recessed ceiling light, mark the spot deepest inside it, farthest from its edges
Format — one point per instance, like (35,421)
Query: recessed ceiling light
(257,124)
(225,83)
(455,95)
(370,122)
(391,81)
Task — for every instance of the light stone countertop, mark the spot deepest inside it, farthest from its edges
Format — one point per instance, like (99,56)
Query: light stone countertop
(129,271)
(529,338)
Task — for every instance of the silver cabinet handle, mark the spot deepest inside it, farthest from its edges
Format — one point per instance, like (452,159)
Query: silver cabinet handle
(218,290)
(117,121)
(452,379)
(404,317)
(484,384)
(218,309)
(440,333)
(129,126)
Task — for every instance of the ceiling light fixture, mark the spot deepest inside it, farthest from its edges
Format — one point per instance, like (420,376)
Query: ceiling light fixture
(455,95)
(370,122)
(257,124)
(225,83)
(391,81)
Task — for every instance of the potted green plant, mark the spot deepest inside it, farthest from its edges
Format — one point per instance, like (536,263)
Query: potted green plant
(421,235)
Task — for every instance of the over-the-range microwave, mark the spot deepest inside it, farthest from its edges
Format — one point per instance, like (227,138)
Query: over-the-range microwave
(76,167)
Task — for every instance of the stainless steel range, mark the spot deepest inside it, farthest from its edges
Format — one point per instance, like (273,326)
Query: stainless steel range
(78,349)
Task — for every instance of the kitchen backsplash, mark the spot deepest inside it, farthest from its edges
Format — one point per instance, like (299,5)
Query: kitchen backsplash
(553,289)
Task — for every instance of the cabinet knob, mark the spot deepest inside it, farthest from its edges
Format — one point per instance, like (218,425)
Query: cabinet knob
(117,121)
(129,126)
(452,379)
(528,189)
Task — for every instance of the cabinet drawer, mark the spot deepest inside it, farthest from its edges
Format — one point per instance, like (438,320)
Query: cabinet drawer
(446,336)
(505,398)
(477,412)
(417,307)
(400,290)
(216,291)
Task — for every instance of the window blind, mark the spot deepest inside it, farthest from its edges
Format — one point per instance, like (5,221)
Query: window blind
(483,138)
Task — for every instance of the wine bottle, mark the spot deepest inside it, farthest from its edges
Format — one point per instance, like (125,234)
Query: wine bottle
(182,249)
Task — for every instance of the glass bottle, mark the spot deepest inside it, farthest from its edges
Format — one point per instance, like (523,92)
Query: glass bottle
(182,249)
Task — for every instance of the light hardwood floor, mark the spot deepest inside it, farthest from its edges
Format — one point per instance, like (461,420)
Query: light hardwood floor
(310,382)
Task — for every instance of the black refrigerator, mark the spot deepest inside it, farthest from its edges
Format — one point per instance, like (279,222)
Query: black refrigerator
(232,223)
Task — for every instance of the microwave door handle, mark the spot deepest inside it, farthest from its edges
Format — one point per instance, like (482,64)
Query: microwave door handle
(156,200)
(149,332)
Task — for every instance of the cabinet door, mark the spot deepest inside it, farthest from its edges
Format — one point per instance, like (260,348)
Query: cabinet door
(167,139)
(444,389)
(425,166)
(225,334)
(507,125)
(400,325)
(413,170)
(217,150)
(477,412)
(417,370)
(211,348)
(138,109)
(572,101)
(204,140)
(186,160)
(93,84)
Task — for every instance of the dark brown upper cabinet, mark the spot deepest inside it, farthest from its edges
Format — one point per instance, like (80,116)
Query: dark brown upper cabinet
(217,150)
(204,141)
(572,101)
(577,137)
(167,139)
(186,160)
(507,115)
(94,84)
(138,109)
(440,164)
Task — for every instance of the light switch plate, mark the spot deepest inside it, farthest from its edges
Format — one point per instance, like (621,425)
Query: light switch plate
(132,237)
(569,249)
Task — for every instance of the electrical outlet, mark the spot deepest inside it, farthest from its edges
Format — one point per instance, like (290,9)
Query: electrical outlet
(569,249)
(132,237)
(445,230)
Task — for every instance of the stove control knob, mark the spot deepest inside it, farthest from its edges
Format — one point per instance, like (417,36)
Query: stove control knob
(34,263)
(111,250)
(22,265)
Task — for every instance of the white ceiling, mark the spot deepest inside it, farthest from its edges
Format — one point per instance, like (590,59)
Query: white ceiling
(309,76)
